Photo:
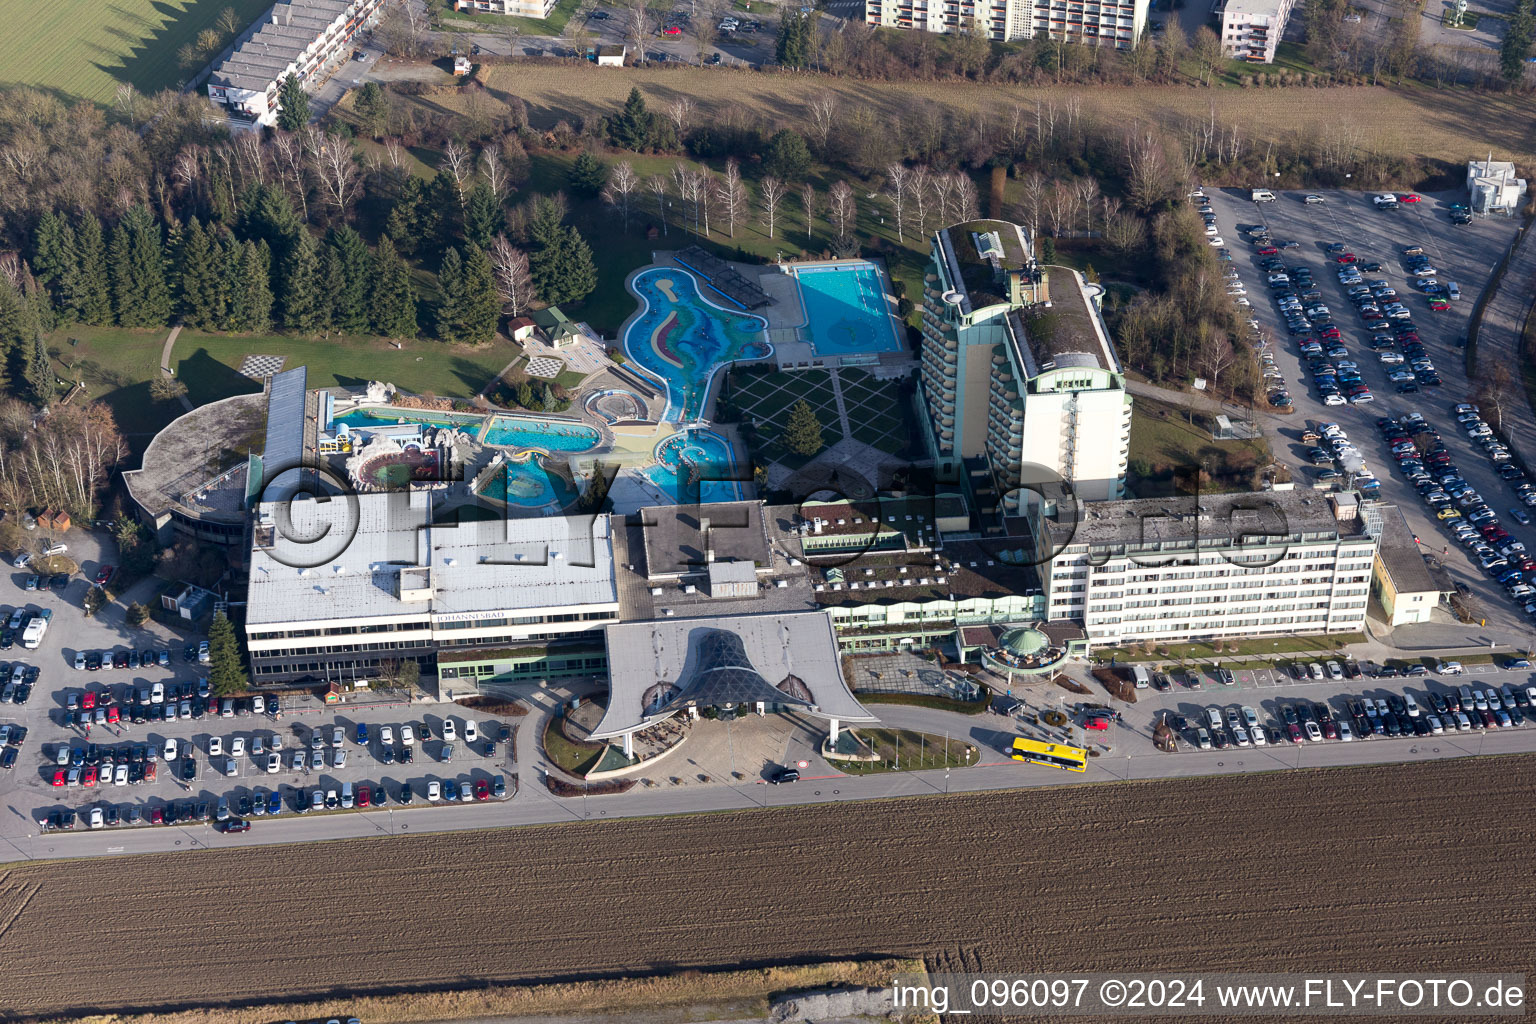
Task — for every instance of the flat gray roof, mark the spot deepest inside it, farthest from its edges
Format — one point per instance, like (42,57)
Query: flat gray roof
(676,536)
(288,30)
(283,452)
(482,566)
(794,652)
(1213,519)
(1401,556)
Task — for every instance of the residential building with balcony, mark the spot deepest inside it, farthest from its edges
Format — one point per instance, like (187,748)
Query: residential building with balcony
(1220,566)
(1017,368)
(520,8)
(1251,29)
(304,38)
(1089,22)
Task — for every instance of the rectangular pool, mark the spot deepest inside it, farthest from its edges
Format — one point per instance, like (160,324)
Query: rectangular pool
(846,310)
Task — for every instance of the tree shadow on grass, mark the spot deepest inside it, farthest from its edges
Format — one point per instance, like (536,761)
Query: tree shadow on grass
(209,380)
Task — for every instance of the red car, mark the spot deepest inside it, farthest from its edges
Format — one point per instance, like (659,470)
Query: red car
(112,715)
(671,30)
(364,796)
(1439,304)
(89,779)
(149,772)
(157,815)
(88,700)
(1269,250)
(58,777)
(1294,731)
(1331,333)
(482,790)
(1408,197)
(103,575)
(1345,257)
(234,825)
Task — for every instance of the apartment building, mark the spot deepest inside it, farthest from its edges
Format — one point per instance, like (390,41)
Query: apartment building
(1251,29)
(521,8)
(1089,22)
(395,585)
(1222,566)
(1017,369)
(304,38)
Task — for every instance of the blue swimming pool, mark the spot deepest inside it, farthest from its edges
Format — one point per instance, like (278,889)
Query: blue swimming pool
(682,338)
(845,309)
(696,466)
(383,416)
(519,432)
(528,485)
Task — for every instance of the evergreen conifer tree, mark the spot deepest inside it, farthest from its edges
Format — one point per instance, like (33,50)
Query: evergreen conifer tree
(392,304)
(198,278)
(631,127)
(481,306)
(588,175)
(349,305)
(450,311)
(401,224)
(802,434)
(226,669)
(293,105)
(86,294)
(40,376)
(482,216)
(299,287)
(254,287)
(136,266)
(54,256)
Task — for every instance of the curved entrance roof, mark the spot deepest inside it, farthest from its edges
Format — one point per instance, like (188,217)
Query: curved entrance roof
(788,660)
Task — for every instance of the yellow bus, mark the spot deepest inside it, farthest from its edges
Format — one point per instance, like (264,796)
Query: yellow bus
(1052,755)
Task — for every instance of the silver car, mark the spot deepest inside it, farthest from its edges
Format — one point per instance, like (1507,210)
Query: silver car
(317,759)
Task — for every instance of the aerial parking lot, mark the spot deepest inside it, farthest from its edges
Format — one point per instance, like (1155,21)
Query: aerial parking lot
(1360,306)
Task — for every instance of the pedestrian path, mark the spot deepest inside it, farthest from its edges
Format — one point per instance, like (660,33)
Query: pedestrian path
(165,363)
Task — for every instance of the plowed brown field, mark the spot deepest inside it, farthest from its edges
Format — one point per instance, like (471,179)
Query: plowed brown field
(1392,868)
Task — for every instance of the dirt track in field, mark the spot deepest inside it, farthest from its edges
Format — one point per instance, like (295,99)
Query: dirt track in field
(1407,868)
(1449,124)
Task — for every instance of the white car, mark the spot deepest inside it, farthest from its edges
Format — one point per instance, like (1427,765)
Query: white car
(1314,734)
(1259,739)
(407,735)
(157,693)
(1450,668)
(231,768)
(170,750)
(79,661)
(97,819)
(274,763)
(448,730)
(296,762)
(1314,200)
(471,731)
(237,746)
(1217,241)
(434,790)
(338,737)
(120,775)
(387,736)
(339,758)
(215,746)
(1412,705)
(1240,735)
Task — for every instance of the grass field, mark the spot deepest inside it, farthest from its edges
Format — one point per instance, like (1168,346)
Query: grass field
(118,364)
(1166,449)
(87,50)
(1445,124)
(1115,877)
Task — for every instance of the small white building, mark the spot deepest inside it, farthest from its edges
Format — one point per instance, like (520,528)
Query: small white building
(1493,186)
(1251,29)
(611,56)
(520,8)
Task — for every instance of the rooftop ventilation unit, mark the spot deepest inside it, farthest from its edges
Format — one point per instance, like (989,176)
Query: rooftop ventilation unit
(988,245)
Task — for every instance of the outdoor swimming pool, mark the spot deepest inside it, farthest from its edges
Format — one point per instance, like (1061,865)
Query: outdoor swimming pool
(845,309)
(528,485)
(383,416)
(517,432)
(695,466)
(682,338)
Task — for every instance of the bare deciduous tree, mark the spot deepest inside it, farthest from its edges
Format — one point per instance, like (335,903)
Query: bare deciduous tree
(1146,168)
(823,111)
(772,191)
(1086,190)
(336,169)
(680,113)
(460,166)
(495,171)
(943,188)
(658,185)
(732,193)
(637,28)
(394,151)
(289,152)
(1033,206)
(964,189)
(622,182)
(514,284)
(896,188)
(808,204)
(1124,232)
(842,208)
(917,185)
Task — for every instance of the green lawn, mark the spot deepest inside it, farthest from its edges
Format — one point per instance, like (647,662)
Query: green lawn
(117,365)
(1166,450)
(87,50)
(575,758)
(766,399)
(550,26)
(905,750)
